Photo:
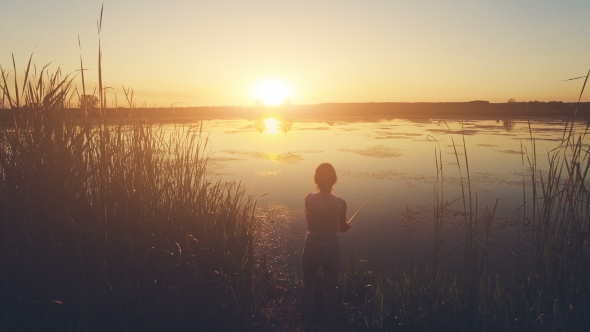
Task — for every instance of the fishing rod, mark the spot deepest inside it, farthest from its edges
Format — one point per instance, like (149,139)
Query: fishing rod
(357,212)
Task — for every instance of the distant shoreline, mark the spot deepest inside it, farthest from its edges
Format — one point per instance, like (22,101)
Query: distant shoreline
(335,111)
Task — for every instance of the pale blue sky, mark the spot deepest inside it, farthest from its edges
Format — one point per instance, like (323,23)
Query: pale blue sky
(216,52)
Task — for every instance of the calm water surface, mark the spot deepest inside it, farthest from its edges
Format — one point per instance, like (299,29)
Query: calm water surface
(392,163)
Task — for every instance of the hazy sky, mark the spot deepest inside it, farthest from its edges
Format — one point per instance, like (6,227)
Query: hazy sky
(216,52)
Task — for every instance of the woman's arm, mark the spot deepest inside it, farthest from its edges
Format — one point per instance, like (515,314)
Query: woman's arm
(307,211)
(342,225)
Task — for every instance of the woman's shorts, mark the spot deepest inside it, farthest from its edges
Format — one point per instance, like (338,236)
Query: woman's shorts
(326,255)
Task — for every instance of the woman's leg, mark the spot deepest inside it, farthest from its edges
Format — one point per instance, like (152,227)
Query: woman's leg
(331,278)
(310,271)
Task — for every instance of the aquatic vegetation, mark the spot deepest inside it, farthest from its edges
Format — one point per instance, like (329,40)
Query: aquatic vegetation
(269,173)
(238,131)
(548,287)
(392,135)
(378,151)
(458,132)
(314,128)
(110,223)
(279,158)
(512,152)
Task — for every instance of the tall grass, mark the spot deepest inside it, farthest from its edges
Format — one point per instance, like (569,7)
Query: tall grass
(549,291)
(560,257)
(115,225)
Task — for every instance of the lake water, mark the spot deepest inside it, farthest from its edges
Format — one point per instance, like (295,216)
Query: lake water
(392,163)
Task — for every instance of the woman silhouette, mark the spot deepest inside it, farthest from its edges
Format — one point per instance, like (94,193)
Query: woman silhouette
(325,215)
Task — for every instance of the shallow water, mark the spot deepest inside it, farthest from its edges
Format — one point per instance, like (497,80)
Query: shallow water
(392,163)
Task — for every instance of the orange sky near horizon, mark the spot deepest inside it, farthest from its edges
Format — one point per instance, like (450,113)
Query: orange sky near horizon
(215,53)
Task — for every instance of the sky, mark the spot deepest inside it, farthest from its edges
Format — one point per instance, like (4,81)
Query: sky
(215,53)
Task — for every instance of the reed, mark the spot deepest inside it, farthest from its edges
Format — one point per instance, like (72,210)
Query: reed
(547,293)
(115,225)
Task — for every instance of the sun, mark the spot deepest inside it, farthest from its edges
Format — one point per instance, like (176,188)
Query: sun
(272,92)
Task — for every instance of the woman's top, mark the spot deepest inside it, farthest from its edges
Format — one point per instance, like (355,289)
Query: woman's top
(324,213)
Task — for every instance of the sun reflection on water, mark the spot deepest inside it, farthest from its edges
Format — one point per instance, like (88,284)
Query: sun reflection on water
(272,126)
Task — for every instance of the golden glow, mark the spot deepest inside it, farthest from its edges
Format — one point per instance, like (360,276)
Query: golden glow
(271,126)
(272,92)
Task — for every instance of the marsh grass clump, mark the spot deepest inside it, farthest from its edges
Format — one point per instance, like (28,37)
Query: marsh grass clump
(376,299)
(548,290)
(115,225)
